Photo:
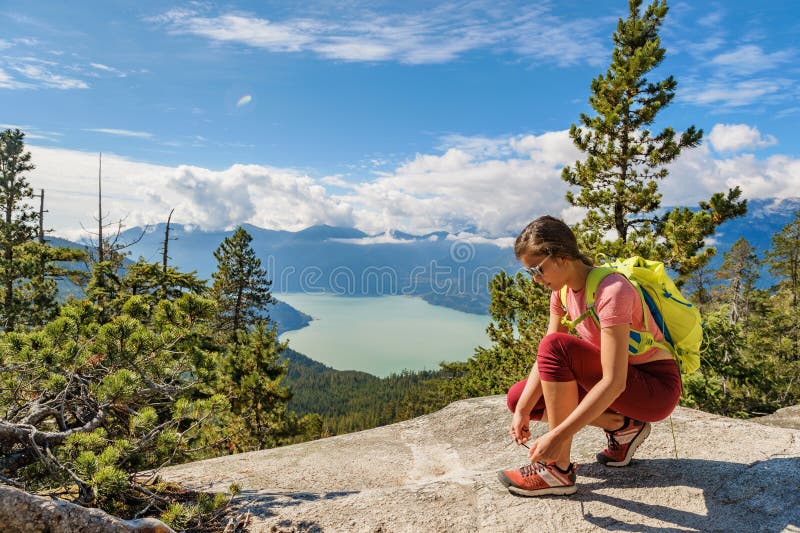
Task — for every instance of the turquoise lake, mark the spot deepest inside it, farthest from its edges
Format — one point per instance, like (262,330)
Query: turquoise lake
(384,334)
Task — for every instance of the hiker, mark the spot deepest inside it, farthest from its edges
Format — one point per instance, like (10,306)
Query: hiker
(591,380)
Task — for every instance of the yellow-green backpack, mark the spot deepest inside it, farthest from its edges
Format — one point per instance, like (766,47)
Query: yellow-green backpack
(675,316)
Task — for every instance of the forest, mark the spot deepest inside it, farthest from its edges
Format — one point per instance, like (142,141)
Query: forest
(153,366)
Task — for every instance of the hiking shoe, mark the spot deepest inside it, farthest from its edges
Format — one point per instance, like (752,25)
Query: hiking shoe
(622,443)
(539,479)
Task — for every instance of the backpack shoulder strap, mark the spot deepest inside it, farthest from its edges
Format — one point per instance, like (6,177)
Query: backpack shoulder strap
(596,275)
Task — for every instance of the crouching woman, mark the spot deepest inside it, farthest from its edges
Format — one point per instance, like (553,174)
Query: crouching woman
(585,380)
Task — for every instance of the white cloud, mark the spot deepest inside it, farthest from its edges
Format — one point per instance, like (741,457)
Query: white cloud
(454,190)
(440,34)
(710,20)
(122,133)
(57,70)
(336,181)
(46,78)
(477,146)
(110,70)
(787,112)
(450,191)
(383,238)
(749,59)
(736,137)
(39,137)
(554,148)
(7,82)
(465,236)
(730,93)
(256,32)
(698,173)
(144,193)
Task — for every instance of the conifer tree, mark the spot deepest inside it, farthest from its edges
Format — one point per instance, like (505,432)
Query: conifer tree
(740,269)
(18,224)
(253,374)
(240,287)
(618,181)
(783,258)
(699,287)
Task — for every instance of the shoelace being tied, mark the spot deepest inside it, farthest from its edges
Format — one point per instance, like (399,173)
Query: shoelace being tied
(612,442)
(533,468)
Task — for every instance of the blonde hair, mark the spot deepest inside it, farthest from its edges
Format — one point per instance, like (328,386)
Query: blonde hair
(549,236)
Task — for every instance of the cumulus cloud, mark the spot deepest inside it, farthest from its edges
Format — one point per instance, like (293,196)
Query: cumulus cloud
(440,34)
(698,173)
(143,193)
(454,191)
(736,137)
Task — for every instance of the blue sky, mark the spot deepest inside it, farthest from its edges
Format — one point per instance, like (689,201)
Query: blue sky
(419,116)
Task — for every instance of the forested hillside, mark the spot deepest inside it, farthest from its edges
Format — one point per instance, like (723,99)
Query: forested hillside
(350,401)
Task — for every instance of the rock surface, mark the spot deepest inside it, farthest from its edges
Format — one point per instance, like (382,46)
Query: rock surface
(788,417)
(21,512)
(439,473)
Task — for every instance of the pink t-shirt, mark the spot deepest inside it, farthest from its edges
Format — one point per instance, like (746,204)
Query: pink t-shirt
(616,302)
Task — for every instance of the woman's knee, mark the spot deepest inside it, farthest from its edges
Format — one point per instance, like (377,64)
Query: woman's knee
(514,394)
(553,356)
(555,342)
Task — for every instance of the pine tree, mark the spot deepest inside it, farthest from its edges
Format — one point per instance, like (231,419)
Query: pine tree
(87,402)
(783,258)
(253,373)
(18,225)
(618,181)
(740,269)
(240,288)
(699,287)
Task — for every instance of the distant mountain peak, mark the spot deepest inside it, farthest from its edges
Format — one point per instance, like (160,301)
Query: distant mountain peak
(324,231)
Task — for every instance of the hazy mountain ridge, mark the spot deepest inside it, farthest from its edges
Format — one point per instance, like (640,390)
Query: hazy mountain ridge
(442,268)
(438,267)
(763,219)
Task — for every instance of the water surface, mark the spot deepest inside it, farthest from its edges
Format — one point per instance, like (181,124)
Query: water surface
(384,334)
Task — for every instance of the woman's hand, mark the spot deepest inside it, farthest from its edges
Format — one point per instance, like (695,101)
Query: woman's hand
(546,448)
(520,429)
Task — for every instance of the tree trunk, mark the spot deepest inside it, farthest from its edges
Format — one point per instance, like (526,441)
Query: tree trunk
(8,301)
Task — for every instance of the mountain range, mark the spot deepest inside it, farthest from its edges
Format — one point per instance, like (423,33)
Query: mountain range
(443,269)
(446,269)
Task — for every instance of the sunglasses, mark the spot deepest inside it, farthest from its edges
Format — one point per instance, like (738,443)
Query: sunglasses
(536,271)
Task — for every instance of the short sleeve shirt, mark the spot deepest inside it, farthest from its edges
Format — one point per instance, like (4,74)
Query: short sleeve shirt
(616,302)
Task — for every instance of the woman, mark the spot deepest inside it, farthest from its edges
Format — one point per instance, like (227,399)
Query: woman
(591,380)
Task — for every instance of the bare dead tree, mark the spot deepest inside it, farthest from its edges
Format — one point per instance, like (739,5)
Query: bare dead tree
(165,257)
(108,245)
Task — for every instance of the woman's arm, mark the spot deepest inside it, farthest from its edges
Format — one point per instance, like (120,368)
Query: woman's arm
(520,429)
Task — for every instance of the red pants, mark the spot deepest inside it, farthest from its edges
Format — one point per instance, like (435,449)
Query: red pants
(651,392)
